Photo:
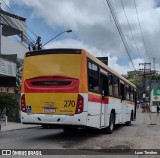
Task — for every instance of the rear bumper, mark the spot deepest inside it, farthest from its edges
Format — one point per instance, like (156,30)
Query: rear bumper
(77,119)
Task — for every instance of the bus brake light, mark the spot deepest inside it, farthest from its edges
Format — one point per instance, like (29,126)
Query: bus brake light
(23,104)
(80,104)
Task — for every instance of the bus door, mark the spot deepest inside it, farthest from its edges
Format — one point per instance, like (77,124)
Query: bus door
(135,100)
(123,103)
(104,100)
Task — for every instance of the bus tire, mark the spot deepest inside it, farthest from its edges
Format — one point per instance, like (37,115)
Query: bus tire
(110,128)
(128,123)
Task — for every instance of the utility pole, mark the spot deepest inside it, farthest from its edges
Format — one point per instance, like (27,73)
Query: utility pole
(146,70)
(154,63)
(36,46)
(39,45)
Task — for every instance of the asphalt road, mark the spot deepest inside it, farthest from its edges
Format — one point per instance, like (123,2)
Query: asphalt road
(142,134)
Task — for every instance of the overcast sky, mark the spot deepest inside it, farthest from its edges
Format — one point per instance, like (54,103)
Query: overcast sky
(94,29)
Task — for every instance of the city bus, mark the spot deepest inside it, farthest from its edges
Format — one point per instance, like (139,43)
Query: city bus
(72,89)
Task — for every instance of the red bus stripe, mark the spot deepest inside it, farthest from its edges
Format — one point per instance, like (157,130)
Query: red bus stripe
(97,99)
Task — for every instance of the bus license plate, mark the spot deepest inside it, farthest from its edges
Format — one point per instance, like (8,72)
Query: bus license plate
(49,110)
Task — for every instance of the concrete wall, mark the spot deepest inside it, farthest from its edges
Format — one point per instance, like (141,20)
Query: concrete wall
(11,46)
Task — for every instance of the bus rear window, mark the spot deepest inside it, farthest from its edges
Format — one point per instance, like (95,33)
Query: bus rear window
(53,51)
(51,83)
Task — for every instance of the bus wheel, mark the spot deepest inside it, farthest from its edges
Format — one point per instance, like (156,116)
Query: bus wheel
(110,128)
(128,123)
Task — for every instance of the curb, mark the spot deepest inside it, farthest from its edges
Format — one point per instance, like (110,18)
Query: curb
(14,129)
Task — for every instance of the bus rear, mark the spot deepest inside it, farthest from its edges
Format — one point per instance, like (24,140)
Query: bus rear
(51,87)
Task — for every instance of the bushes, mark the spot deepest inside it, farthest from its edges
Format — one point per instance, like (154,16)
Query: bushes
(9,106)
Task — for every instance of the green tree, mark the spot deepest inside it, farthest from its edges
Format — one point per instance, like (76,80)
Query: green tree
(8,104)
(139,82)
(19,74)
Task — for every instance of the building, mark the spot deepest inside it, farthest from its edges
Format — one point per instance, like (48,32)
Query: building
(11,47)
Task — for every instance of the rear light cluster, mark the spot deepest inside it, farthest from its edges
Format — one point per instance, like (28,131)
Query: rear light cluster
(23,104)
(80,104)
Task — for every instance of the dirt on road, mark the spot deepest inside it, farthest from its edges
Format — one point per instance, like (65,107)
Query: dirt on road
(144,133)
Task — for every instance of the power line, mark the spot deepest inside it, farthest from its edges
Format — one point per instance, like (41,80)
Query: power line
(12,29)
(141,30)
(20,43)
(130,28)
(112,22)
(21,23)
(111,17)
(112,10)
(12,24)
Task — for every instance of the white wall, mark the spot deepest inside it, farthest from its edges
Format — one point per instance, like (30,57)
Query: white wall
(10,46)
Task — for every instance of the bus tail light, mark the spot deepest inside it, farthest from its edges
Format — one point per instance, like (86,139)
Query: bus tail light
(23,103)
(80,104)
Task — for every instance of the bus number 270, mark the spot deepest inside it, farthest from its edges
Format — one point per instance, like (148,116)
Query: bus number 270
(69,103)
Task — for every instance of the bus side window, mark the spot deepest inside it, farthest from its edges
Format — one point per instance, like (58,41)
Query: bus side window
(115,86)
(110,85)
(104,85)
(127,91)
(93,84)
(134,94)
(131,93)
(93,77)
(121,91)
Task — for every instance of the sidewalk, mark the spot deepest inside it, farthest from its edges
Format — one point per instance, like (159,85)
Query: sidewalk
(14,126)
(151,118)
